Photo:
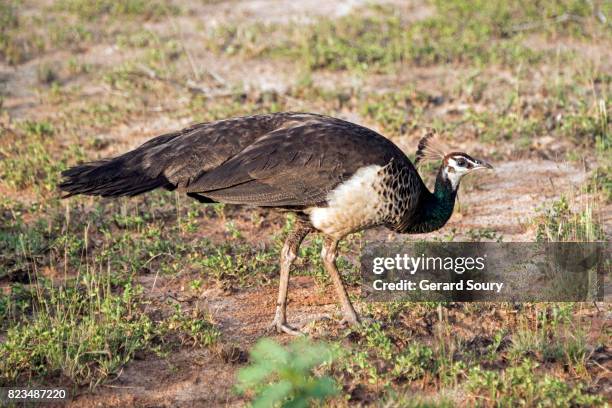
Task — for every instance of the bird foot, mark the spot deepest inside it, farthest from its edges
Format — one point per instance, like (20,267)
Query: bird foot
(283,327)
(354,321)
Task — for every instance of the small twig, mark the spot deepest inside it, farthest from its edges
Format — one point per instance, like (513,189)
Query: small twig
(120,386)
(194,68)
(108,353)
(156,273)
(596,307)
(215,75)
(212,93)
(189,84)
(6,129)
(174,298)
(158,109)
(197,74)
(115,92)
(115,379)
(600,366)
(152,74)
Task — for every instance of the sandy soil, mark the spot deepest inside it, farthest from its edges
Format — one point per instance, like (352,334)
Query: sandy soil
(505,201)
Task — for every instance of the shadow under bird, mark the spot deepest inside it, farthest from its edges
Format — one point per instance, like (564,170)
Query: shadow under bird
(338,177)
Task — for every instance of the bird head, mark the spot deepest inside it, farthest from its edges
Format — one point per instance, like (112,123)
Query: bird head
(455,165)
(458,164)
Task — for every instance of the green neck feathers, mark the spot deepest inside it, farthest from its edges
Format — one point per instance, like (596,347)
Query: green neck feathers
(436,208)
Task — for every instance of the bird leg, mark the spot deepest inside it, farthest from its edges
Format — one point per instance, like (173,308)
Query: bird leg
(288,255)
(329,254)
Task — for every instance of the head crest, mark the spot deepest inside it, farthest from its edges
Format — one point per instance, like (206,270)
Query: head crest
(430,148)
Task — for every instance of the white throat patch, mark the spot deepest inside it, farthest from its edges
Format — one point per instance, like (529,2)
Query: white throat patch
(453,177)
(454,172)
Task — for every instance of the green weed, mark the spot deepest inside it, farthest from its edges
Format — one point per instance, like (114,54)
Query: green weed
(284,376)
(414,362)
(484,234)
(409,400)
(194,328)
(396,112)
(238,264)
(521,385)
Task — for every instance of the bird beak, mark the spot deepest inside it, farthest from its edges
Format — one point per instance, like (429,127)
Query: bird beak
(481,164)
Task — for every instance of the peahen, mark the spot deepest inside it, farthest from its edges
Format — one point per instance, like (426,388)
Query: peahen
(338,177)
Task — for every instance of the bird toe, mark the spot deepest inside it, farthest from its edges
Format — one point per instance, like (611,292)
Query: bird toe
(289,330)
(279,328)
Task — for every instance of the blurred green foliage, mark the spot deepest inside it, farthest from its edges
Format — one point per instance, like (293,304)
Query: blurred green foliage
(283,376)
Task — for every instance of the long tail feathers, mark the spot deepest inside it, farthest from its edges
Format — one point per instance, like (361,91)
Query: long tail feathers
(109,178)
(135,172)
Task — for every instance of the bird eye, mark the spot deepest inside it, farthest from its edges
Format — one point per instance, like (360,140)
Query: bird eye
(461,162)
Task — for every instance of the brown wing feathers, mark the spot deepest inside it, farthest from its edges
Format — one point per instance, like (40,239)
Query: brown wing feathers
(284,159)
(295,166)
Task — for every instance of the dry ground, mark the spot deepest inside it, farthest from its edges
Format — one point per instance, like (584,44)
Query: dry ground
(124,79)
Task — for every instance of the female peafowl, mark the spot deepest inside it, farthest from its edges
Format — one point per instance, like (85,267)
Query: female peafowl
(338,177)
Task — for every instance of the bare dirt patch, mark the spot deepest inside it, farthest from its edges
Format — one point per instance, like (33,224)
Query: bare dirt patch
(503,202)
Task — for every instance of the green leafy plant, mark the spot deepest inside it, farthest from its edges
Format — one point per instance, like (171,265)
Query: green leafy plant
(193,328)
(284,376)
(520,386)
(415,362)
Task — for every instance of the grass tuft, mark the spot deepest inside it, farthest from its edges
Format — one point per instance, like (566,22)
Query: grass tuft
(83,334)
(520,386)
(561,223)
